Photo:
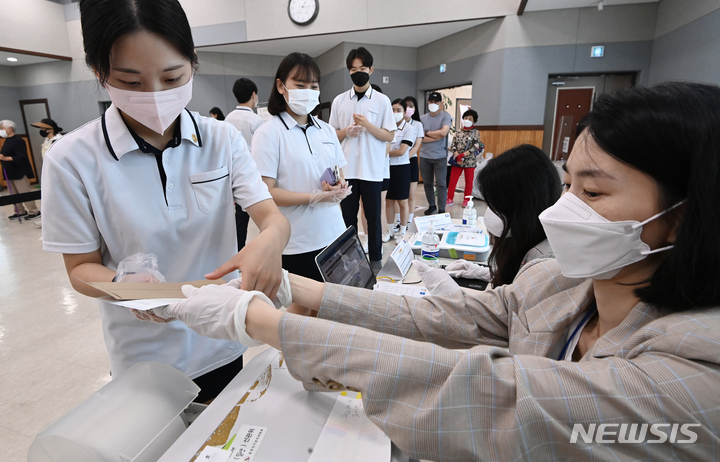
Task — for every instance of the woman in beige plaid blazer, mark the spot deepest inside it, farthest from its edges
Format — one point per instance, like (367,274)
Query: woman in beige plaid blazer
(480,376)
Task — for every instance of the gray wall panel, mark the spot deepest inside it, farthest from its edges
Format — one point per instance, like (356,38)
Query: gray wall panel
(71,104)
(402,83)
(10,107)
(691,52)
(485,74)
(525,72)
(216,90)
(333,84)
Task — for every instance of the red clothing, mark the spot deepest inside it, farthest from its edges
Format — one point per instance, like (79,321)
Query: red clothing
(455,176)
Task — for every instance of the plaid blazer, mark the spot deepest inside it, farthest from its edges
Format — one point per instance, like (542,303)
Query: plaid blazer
(506,397)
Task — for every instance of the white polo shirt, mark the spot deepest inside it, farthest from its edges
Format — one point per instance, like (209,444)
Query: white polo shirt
(366,154)
(102,192)
(419,131)
(404,133)
(296,157)
(246,121)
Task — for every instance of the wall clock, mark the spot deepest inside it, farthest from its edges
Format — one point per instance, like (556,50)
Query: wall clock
(303,12)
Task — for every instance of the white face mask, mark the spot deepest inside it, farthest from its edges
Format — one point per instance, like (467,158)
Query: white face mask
(494,223)
(587,245)
(432,107)
(3,134)
(398,116)
(154,109)
(467,123)
(302,100)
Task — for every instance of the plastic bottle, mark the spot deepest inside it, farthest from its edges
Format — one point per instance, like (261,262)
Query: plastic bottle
(430,246)
(469,213)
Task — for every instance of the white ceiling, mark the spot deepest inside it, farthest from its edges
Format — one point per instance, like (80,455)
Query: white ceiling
(21,59)
(540,5)
(410,36)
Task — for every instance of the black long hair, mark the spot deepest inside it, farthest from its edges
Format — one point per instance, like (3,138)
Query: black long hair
(671,132)
(105,21)
(302,67)
(518,185)
(415,115)
(218,113)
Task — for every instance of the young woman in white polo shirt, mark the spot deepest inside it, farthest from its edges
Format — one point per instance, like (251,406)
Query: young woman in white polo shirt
(292,151)
(399,189)
(149,176)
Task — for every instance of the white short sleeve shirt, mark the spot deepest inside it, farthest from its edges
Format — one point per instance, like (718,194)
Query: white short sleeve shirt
(296,157)
(246,121)
(102,192)
(366,154)
(405,132)
(419,131)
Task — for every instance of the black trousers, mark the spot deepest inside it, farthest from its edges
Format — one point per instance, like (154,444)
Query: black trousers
(212,383)
(241,224)
(370,191)
(303,264)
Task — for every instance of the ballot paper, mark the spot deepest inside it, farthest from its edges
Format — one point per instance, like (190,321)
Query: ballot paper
(143,305)
(212,454)
(401,289)
(349,436)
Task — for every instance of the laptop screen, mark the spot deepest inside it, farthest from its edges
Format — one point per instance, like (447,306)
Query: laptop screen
(344,262)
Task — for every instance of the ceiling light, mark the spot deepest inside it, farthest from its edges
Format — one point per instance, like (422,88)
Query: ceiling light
(601,5)
(12,60)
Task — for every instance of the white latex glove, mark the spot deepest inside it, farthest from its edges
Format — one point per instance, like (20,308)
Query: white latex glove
(354,131)
(215,311)
(465,269)
(284,294)
(437,280)
(329,198)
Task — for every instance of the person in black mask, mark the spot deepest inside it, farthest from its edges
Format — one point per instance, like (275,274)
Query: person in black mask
(50,131)
(364,123)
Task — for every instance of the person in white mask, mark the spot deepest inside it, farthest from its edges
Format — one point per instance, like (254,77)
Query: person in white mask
(517,186)
(152,177)
(549,364)
(292,151)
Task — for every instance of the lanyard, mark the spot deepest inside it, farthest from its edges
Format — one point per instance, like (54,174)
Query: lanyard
(584,321)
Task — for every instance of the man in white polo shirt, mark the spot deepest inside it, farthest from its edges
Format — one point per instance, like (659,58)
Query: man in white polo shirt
(246,121)
(364,123)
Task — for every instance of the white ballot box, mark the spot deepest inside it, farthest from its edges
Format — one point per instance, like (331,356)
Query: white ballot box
(265,415)
(134,418)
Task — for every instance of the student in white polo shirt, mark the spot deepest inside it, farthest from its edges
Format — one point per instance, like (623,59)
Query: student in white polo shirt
(364,123)
(292,151)
(399,189)
(149,176)
(243,117)
(246,121)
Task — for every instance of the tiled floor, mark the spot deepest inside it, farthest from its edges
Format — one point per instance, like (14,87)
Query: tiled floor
(52,354)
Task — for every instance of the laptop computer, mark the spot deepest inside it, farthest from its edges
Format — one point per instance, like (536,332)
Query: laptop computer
(344,262)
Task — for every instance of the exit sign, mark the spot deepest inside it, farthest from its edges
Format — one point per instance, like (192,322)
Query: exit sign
(597,52)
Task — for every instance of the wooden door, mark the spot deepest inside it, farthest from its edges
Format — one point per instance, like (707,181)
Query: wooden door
(571,105)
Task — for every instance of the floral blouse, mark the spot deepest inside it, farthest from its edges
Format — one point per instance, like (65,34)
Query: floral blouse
(467,141)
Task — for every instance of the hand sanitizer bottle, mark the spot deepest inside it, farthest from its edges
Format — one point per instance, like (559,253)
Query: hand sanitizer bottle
(469,213)
(430,246)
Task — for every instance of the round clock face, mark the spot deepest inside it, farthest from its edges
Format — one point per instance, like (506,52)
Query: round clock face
(303,12)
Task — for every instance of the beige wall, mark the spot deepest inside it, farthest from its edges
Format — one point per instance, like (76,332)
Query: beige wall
(673,14)
(34,25)
(625,23)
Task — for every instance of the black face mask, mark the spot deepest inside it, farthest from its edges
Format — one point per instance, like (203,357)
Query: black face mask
(44,133)
(360,78)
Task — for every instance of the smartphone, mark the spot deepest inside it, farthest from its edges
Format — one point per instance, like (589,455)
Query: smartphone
(329,176)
